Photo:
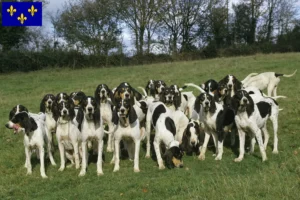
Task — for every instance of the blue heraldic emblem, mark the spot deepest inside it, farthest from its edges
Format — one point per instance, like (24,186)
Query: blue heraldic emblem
(22,14)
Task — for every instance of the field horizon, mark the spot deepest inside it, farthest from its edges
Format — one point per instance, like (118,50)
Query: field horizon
(277,178)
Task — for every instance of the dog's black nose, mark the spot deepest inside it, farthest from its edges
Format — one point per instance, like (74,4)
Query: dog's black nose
(103,92)
(6,125)
(245,100)
(230,85)
(90,109)
(122,110)
(206,103)
(49,102)
(65,112)
(162,89)
(127,95)
(193,143)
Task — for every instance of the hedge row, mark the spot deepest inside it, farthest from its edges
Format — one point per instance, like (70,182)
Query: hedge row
(29,61)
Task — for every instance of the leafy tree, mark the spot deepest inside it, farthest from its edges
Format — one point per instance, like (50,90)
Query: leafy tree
(89,24)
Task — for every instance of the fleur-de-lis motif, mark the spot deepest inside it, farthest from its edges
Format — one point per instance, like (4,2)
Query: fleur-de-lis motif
(32,10)
(22,18)
(11,10)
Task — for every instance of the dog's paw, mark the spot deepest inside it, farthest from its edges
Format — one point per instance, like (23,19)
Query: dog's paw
(100,174)
(109,150)
(161,167)
(136,170)
(147,156)
(275,152)
(61,169)
(218,158)
(116,169)
(44,176)
(29,173)
(82,173)
(238,159)
(201,157)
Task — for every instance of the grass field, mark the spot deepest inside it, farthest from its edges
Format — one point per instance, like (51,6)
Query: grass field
(277,178)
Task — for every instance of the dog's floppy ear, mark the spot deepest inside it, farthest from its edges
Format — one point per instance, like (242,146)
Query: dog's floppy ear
(115,117)
(33,125)
(96,95)
(197,104)
(55,110)
(97,117)
(212,107)
(184,146)
(168,156)
(43,106)
(250,107)
(237,84)
(177,100)
(79,117)
(132,115)
(71,110)
(137,95)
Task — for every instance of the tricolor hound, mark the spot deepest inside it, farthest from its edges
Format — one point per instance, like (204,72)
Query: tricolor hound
(35,137)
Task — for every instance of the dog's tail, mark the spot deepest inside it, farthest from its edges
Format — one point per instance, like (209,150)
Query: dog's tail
(286,75)
(278,97)
(247,77)
(195,86)
(144,91)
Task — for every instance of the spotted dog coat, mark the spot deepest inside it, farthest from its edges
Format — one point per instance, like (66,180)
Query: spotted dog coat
(217,121)
(250,118)
(35,137)
(91,130)
(104,96)
(127,129)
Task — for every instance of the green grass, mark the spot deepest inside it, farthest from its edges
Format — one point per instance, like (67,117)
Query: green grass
(277,178)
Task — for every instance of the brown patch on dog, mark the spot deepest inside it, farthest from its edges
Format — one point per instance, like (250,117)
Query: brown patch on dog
(176,162)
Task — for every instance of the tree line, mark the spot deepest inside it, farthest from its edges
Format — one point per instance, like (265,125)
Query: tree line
(91,32)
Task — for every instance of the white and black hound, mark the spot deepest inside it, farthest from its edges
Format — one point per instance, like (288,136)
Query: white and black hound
(125,91)
(91,130)
(159,86)
(250,117)
(217,121)
(67,133)
(150,88)
(232,83)
(192,138)
(269,80)
(35,137)
(47,107)
(257,96)
(165,131)
(154,111)
(103,97)
(127,129)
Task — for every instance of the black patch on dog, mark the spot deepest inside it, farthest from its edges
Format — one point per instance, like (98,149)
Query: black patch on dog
(14,110)
(157,112)
(185,96)
(132,115)
(264,108)
(144,106)
(25,122)
(170,125)
(213,85)
(277,75)
(170,153)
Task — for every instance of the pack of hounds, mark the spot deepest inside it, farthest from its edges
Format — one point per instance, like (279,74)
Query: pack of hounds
(179,122)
